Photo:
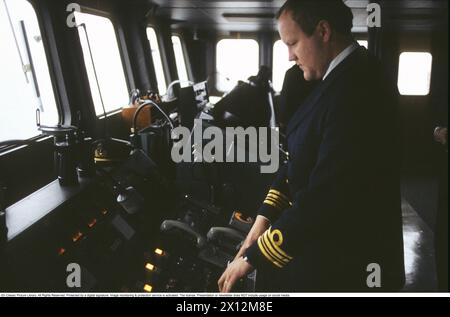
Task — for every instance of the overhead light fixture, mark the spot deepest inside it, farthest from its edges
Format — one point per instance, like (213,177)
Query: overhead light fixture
(248,17)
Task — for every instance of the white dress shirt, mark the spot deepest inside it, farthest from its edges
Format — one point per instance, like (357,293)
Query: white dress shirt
(341,57)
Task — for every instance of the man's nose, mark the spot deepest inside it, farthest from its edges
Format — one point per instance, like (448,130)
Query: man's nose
(292,56)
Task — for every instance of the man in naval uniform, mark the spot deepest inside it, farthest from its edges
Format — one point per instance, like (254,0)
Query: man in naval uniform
(331,221)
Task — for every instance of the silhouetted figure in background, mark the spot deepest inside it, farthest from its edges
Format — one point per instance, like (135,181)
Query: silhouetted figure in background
(247,104)
(294,92)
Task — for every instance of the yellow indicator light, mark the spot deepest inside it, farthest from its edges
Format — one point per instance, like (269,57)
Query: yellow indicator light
(92,223)
(150,267)
(147,288)
(77,236)
(159,251)
(104,211)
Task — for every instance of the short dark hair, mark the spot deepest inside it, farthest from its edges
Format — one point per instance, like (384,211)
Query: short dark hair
(308,13)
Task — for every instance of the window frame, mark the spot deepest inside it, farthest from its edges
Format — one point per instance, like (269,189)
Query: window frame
(162,52)
(430,53)
(185,55)
(360,40)
(238,36)
(46,30)
(362,37)
(123,53)
(272,64)
(54,64)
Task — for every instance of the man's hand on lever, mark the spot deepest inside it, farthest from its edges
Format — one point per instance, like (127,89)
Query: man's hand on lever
(239,268)
(236,270)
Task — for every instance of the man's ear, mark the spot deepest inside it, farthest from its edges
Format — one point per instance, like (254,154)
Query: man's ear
(324,30)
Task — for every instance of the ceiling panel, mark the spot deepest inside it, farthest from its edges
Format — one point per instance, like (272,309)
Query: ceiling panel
(215,14)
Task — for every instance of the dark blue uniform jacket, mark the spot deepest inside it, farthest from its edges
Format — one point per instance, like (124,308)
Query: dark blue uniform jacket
(335,206)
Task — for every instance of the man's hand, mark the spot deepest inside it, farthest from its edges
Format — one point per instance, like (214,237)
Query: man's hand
(236,270)
(239,267)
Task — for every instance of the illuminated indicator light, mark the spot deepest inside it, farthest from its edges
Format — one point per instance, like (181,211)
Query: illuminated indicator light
(159,251)
(148,288)
(92,223)
(61,251)
(150,267)
(104,211)
(77,236)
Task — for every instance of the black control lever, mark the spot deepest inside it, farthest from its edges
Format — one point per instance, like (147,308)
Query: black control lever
(225,238)
(128,197)
(224,234)
(169,225)
(222,246)
(130,200)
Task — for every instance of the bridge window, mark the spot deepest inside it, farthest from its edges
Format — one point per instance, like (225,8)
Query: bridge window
(157,61)
(103,62)
(363,43)
(180,60)
(237,59)
(25,83)
(281,64)
(414,73)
